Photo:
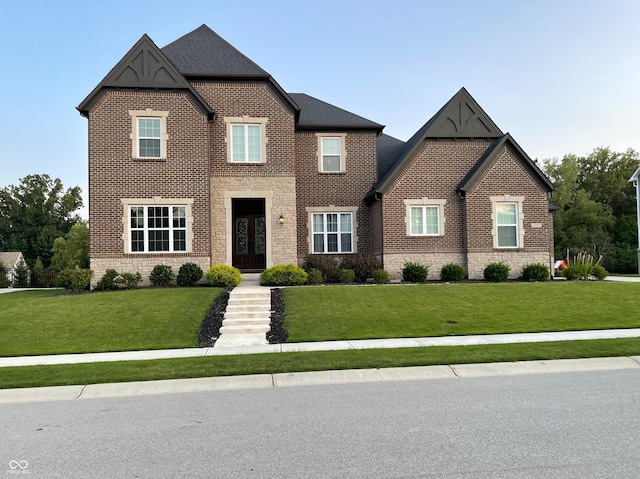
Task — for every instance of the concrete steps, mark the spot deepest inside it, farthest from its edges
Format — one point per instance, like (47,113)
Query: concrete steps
(247,318)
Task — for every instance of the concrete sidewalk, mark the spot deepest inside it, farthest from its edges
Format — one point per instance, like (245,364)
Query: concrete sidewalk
(320,346)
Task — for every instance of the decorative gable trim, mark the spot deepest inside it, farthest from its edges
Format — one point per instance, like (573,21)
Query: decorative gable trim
(143,67)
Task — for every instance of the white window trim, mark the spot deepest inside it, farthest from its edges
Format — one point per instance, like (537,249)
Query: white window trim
(343,151)
(425,202)
(134,135)
(246,120)
(519,201)
(127,203)
(333,209)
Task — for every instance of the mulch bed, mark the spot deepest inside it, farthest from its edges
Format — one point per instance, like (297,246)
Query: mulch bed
(277,334)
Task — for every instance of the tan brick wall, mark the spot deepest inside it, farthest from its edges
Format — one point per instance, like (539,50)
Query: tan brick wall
(114,174)
(280,197)
(393,263)
(315,189)
(144,265)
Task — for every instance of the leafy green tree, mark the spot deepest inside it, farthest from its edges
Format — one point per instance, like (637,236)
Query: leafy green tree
(72,250)
(36,212)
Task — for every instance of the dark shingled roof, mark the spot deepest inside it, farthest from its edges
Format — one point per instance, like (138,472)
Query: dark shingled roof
(318,115)
(389,149)
(204,53)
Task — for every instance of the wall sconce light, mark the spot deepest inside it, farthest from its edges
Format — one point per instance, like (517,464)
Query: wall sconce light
(281,219)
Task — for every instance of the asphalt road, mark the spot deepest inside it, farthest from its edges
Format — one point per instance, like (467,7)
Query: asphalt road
(565,425)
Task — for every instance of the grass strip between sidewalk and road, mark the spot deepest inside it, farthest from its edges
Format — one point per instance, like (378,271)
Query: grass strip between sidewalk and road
(272,363)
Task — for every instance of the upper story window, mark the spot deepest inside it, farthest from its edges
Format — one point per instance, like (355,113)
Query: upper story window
(424,217)
(331,153)
(507,218)
(246,139)
(149,134)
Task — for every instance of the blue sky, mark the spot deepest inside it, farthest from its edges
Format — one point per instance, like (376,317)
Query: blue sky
(560,76)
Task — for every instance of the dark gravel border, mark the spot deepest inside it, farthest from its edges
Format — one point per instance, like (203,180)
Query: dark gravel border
(212,322)
(277,334)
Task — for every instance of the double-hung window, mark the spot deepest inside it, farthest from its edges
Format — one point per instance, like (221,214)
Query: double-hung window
(149,134)
(425,217)
(507,215)
(158,228)
(331,152)
(332,232)
(425,220)
(507,224)
(246,144)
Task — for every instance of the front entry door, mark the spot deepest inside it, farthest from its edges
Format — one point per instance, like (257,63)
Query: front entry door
(249,234)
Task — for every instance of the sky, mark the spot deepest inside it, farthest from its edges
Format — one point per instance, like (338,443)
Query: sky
(561,76)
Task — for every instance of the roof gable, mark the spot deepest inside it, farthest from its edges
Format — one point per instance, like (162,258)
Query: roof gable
(318,115)
(10,259)
(203,52)
(490,155)
(461,117)
(144,66)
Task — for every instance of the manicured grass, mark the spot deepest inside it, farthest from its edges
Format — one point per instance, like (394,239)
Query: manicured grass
(48,322)
(94,373)
(336,312)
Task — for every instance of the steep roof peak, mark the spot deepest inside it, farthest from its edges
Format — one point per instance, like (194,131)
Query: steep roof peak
(203,52)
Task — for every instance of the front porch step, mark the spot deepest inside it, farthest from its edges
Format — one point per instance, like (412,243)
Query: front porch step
(246,329)
(248,316)
(229,340)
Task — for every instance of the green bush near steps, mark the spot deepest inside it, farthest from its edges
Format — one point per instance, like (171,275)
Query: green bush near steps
(223,276)
(283,275)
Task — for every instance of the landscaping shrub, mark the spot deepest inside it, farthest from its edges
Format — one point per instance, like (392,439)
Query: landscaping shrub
(535,272)
(452,272)
(314,276)
(161,275)
(75,279)
(497,272)
(107,282)
(584,265)
(327,264)
(571,273)
(223,276)
(363,265)
(599,272)
(380,276)
(128,280)
(283,275)
(189,274)
(414,272)
(21,275)
(346,276)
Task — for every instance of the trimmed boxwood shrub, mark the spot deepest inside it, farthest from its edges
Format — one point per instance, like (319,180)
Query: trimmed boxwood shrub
(363,265)
(380,276)
(75,279)
(189,274)
(599,272)
(572,273)
(223,276)
(346,276)
(314,276)
(327,264)
(283,275)
(414,272)
(497,272)
(107,282)
(535,272)
(161,275)
(452,272)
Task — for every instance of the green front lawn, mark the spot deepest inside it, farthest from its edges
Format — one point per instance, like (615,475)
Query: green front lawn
(326,313)
(51,322)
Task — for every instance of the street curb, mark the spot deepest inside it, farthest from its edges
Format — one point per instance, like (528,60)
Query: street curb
(314,378)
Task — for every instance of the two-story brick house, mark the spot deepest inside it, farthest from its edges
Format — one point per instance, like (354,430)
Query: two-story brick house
(196,154)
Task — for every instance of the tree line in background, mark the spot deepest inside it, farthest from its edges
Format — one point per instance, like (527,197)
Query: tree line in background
(596,207)
(596,214)
(38,217)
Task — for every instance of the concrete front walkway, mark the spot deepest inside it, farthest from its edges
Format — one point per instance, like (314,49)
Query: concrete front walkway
(320,346)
